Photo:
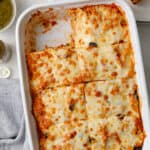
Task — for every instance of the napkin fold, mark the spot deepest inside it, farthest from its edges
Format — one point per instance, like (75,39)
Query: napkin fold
(12,125)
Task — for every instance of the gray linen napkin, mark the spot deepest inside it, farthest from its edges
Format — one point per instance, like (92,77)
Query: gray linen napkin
(12,124)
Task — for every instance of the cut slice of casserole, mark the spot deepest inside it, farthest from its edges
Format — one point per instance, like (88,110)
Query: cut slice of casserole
(53,67)
(114,133)
(114,114)
(66,136)
(64,66)
(98,26)
(59,105)
(95,115)
(112,98)
(107,62)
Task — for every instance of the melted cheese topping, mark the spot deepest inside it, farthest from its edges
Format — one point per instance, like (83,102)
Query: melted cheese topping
(103,25)
(113,114)
(61,66)
(111,98)
(59,105)
(107,116)
(67,136)
(115,133)
(53,67)
(107,62)
(85,95)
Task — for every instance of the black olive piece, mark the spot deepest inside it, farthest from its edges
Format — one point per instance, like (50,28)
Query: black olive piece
(93,44)
(123,23)
(119,42)
(45,135)
(71,107)
(137,148)
(120,116)
(91,140)
(136,95)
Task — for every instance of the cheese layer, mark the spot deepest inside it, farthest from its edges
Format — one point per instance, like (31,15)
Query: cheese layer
(107,62)
(59,105)
(103,25)
(96,115)
(64,66)
(53,67)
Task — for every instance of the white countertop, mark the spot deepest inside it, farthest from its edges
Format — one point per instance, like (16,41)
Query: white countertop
(8,36)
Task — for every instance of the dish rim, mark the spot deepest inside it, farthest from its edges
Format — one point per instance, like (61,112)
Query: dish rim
(140,75)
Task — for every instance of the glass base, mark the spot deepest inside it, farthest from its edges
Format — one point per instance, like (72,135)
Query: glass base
(6,55)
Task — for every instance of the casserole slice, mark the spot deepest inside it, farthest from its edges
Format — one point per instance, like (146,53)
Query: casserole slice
(53,67)
(107,62)
(114,114)
(98,25)
(66,136)
(59,105)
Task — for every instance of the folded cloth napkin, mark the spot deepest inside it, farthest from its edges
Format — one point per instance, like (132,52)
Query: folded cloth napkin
(12,124)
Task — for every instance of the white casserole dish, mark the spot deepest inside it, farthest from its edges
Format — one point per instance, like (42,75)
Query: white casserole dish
(20,39)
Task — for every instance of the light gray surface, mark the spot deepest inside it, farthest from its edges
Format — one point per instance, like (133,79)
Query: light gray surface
(12,125)
(8,36)
(144,32)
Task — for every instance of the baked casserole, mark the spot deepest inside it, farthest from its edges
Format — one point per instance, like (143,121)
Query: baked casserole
(85,95)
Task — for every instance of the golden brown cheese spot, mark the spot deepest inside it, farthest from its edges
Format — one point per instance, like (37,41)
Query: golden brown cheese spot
(139,125)
(51,137)
(95,54)
(45,123)
(70,136)
(49,70)
(105,97)
(115,90)
(114,74)
(40,114)
(116,136)
(104,61)
(42,143)
(59,66)
(57,147)
(134,103)
(98,93)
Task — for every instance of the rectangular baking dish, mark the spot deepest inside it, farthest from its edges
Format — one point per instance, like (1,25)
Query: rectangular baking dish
(20,43)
